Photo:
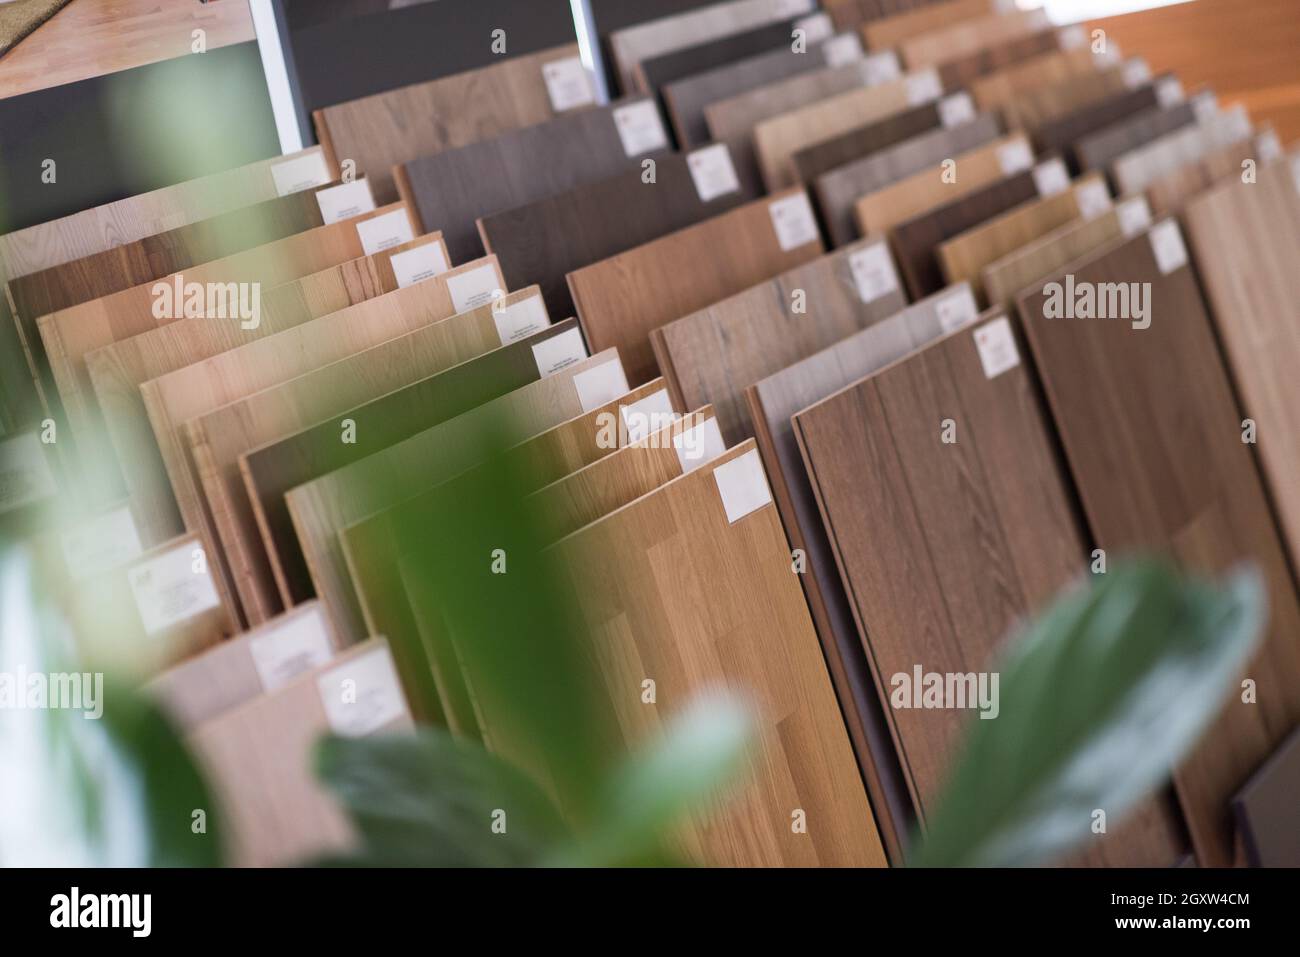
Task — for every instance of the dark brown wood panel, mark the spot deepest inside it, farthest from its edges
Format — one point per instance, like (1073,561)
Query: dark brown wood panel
(1098,150)
(1061,134)
(831,154)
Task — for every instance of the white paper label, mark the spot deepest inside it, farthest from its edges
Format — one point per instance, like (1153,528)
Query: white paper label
(559,352)
(793,220)
(923,87)
(1267,146)
(1169,92)
(997,347)
(305,172)
(956,109)
(842,50)
(785,9)
(1051,178)
(647,416)
(1136,72)
(103,542)
(957,309)
(469,290)
(385,232)
(713,172)
(640,128)
(568,84)
(416,265)
(345,201)
(816,28)
(282,653)
(699,444)
(1205,107)
(1092,198)
(1134,216)
(1072,37)
(25,474)
(742,486)
(1015,156)
(362,695)
(1110,55)
(169,590)
(521,319)
(1167,244)
(601,385)
(882,67)
(873,272)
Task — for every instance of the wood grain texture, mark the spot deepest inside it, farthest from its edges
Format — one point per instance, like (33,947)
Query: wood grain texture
(657,72)
(839,189)
(964,37)
(387,129)
(1196,494)
(319,384)
(862,141)
(1139,168)
(964,256)
(1046,69)
(712,355)
(259,759)
(1061,134)
(1098,150)
(545,240)
(886,32)
(757,640)
(622,298)
(1242,235)
(1168,193)
(961,72)
(1031,109)
(879,210)
(948,546)
(772,402)
(848,14)
(456,186)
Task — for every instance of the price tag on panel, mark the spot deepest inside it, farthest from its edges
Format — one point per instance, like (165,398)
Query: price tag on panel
(742,486)
(416,265)
(996,345)
(1169,92)
(101,543)
(713,172)
(640,128)
(1134,216)
(472,289)
(873,272)
(568,84)
(956,109)
(1072,37)
(785,9)
(362,695)
(647,416)
(303,172)
(1136,73)
(345,201)
(923,87)
(173,587)
(816,28)
(25,474)
(1268,147)
(521,319)
(956,310)
(842,50)
(601,385)
(1167,245)
(1015,156)
(559,352)
(1051,177)
(793,220)
(1205,107)
(882,67)
(385,232)
(296,646)
(698,445)
(1093,199)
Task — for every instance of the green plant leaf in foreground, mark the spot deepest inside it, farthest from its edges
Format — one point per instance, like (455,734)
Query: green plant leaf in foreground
(1100,700)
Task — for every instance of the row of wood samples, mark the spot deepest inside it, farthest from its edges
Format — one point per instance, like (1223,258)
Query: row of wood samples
(813,161)
(1099,149)
(853,14)
(1168,192)
(1138,168)
(622,298)
(933,47)
(1196,494)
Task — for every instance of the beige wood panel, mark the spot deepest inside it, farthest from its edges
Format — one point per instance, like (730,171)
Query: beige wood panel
(1030,109)
(1169,192)
(889,32)
(877,212)
(259,760)
(997,88)
(967,36)
(1139,168)
(621,299)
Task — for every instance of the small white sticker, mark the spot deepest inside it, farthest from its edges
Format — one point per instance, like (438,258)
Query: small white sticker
(882,67)
(842,50)
(1167,244)
(1136,72)
(955,310)
(385,232)
(1110,55)
(559,352)
(416,265)
(785,9)
(469,290)
(1134,216)
(699,444)
(742,486)
(345,201)
(101,543)
(1268,146)
(997,347)
(168,589)
(647,416)
(640,128)
(25,474)
(1169,92)
(568,84)
(923,87)
(793,220)
(1051,177)
(713,172)
(283,652)
(816,28)
(1205,107)
(304,172)
(1092,198)
(521,319)
(362,695)
(1015,156)
(956,109)
(873,272)
(601,385)
(1072,37)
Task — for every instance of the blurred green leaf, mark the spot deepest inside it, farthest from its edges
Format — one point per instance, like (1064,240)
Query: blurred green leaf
(1100,700)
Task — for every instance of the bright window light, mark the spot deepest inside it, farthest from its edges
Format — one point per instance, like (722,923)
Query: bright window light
(1073,11)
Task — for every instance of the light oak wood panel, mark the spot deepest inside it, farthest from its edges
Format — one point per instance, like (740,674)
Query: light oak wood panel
(851,14)
(1169,192)
(621,299)
(259,760)
(882,209)
(1139,168)
(1244,236)
(1031,109)
(966,36)
(387,129)
(839,190)
(887,32)
(1195,494)
(961,72)
(862,141)
(1047,69)
(1100,149)
(712,355)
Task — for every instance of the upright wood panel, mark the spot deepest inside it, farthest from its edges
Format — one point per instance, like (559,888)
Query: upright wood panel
(814,161)
(712,355)
(1046,69)
(890,31)
(1098,150)
(1195,493)
(1138,168)
(848,14)
(961,72)
(1061,134)
(453,188)
(1168,193)
(966,36)
(657,72)
(621,299)
(387,129)
(1031,109)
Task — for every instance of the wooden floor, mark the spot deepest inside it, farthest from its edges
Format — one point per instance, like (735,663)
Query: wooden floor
(89,38)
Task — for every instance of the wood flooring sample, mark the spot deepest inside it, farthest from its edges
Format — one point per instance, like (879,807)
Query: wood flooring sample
(961,72)
(964,37)
(813,161)
(890,31)
(1098,150)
